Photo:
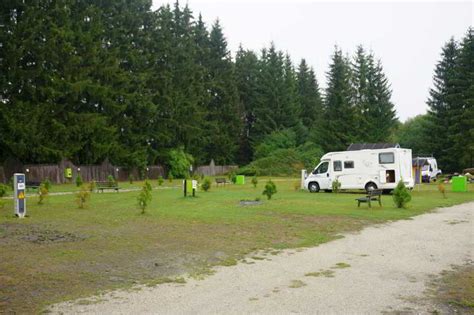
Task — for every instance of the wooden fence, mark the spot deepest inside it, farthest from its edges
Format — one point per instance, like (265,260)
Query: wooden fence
(56,172)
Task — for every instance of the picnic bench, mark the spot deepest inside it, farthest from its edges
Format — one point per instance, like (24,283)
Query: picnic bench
(32,185)
(221,180)
(107,185)
(372,195)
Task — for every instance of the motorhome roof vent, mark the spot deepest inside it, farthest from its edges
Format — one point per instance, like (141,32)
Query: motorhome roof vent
(371,146)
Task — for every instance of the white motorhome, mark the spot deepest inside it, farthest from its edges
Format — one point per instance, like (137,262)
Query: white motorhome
(362,169)
(429,170)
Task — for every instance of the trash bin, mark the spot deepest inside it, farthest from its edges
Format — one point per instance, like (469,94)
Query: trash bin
(240,179)
(459,183)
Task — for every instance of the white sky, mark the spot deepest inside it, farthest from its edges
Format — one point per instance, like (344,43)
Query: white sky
(407,36)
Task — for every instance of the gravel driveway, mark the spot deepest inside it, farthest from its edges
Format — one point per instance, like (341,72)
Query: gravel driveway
(384,268)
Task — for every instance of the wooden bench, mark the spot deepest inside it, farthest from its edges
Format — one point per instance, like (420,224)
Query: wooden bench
(221,180)
(32,185)
(372,195)
(107,185)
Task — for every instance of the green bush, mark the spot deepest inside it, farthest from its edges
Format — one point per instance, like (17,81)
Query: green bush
(179,162)
(232,176)
(43,193)
(401,195)
(130,178)
(160,180)
(254,181)
(206,184)
(285,161)
(144,197)
(82,196)
(281,139)
(3,190)
(336,185)
(79,181)
(170,177)
(270,189)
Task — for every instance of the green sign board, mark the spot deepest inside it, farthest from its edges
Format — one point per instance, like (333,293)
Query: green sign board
(459,183)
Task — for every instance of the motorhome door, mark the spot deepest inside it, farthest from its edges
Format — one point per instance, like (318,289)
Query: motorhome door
(321,173)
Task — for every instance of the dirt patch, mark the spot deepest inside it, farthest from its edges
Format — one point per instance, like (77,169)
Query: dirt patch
(35,234)
(453,291)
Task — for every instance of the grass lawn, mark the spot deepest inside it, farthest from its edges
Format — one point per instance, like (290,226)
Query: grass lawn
(61,252)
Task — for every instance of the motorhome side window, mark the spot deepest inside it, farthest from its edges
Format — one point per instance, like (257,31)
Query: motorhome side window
(337,166)
(348,164)
(386,158)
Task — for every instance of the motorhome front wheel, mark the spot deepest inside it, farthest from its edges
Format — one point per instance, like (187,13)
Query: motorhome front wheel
(313,187)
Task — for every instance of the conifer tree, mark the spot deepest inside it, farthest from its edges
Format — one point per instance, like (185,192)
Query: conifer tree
(440,104)
(340,124)
(223,114)
(461,130)
(247,80)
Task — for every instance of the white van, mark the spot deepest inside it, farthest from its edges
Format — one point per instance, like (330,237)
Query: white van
(362,169)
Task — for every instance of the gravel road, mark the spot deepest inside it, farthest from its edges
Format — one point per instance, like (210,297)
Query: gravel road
(383,268)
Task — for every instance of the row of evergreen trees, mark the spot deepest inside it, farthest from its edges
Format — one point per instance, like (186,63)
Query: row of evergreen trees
(447,130)
(89,80)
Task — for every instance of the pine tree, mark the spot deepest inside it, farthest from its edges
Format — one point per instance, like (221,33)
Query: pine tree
(360,99)
(340,118)
(461,130)
(246,78)
(380,115)
(277,105)
(223,114)
(440,104)
(310,100)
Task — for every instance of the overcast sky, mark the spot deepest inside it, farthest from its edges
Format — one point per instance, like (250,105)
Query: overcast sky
(407,37)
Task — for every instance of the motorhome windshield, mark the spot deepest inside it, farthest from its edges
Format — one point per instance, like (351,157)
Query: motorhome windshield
(322,168)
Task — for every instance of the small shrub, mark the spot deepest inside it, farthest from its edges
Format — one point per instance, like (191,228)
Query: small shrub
(170,177)
(254,181)
(79,181)
(179,162)
(206,184)
(43,193)
(232,177)
(92,186)
(3,190)
(110,179)
(130,178)
(270,189)
(336,185)
(47,183)
(160,180)
(2,204)
(401,195)
(82,196)
(147,185)
(144,197)
(442,189)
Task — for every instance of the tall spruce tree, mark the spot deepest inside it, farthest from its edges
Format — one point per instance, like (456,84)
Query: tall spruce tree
(380,115)
(277,105)
(247,80)
(440,104)
(223,114)
(310,100)
(461,130)
(339,118)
